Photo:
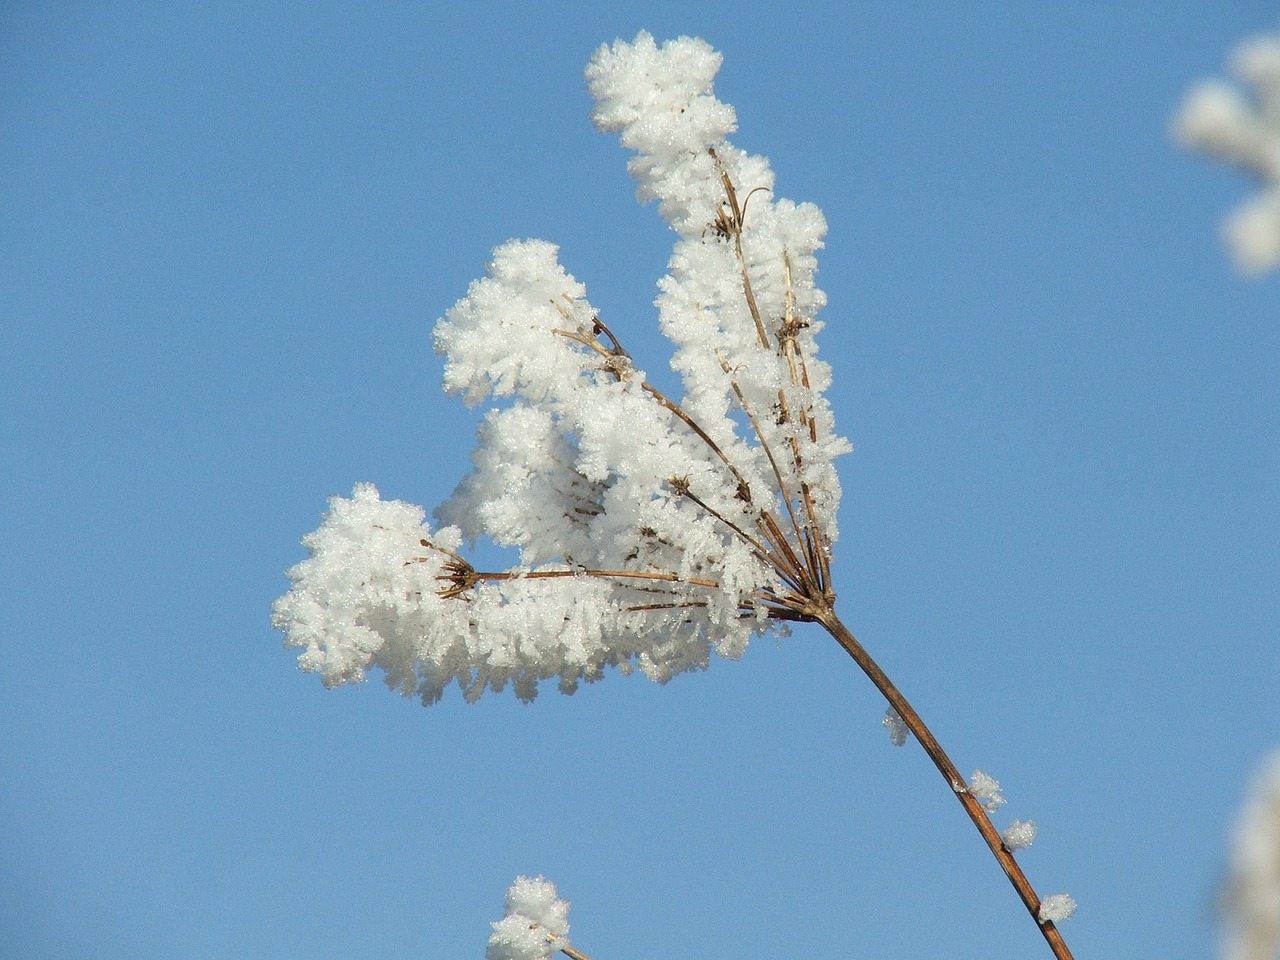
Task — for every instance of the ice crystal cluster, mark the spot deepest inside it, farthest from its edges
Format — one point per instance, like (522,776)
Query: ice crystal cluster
(1252,902)
(536,923)
(651,531)
(896,726)
(1057,907)
(986,790)
(1218,118)
(1019,834)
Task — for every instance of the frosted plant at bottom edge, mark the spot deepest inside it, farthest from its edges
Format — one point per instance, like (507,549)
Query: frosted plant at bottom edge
(535,925)
(1217,118)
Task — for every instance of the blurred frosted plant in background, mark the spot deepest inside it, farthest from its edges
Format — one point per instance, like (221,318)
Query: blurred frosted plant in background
(650,531)
(1218,119)
(1244,130)
(1252,901)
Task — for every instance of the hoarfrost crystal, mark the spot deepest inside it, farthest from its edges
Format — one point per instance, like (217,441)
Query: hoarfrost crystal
(1057,907)
(1218,119)
(650,531)
(896,726)
(986,790)
(1018,835)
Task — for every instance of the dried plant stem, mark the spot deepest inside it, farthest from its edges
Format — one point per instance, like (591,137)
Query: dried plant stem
(831,623)
(730,224)
(660,576)
(573,954)
(618,362)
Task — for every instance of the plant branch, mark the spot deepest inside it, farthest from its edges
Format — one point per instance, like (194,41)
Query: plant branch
(764,443)
(618,362)
(831,623)
(661,576)
(730,224)
(787,340)
(761,552)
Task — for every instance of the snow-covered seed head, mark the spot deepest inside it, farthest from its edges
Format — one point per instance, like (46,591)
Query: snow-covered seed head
(651,531)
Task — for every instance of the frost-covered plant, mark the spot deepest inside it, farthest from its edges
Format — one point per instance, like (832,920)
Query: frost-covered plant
(535,926)
(650,530)
(1218,119)
(1252,901)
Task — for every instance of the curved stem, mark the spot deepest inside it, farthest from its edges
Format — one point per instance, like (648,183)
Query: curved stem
(972,807)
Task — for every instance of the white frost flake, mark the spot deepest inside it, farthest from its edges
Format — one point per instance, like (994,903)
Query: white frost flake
(986,790)
(1056,908)
(1018,835)
(1252,898)
(896,726)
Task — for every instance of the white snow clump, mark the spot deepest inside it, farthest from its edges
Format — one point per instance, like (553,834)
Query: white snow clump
(896,726)
(536,924)
(1018,835)
(1056,908)
(986,790)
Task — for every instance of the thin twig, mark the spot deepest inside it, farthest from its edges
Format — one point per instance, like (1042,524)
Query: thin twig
(616,357)
(661,576)
(764,443)
(831,623)
(786,346)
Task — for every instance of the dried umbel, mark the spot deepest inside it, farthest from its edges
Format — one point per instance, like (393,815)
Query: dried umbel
(651,531)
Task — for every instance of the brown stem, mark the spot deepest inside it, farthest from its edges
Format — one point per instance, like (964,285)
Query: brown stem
(764,441)
(759,549)
(693,425)
(735,231)
(660,576)
(573,954)
(826,616)
(619,363)
(791,348)
(786,346)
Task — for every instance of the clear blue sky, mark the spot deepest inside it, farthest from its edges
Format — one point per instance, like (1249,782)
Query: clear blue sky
(225,233)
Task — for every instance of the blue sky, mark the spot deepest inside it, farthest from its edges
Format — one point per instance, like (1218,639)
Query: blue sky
(225,233)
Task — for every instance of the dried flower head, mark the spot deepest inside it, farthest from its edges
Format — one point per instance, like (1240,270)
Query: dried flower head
(650,531)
